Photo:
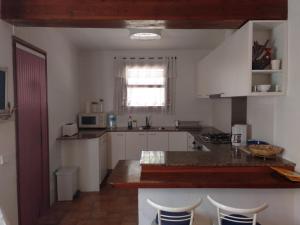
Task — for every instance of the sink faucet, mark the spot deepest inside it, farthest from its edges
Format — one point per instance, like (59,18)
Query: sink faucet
(147,122)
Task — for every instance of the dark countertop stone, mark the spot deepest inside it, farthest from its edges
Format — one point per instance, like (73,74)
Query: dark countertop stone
(84,134)
(127,174)
(218,156)
(95,133)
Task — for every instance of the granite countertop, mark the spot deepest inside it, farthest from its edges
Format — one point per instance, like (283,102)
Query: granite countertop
(128,174)
(218,156)
(84,134)
(95,133)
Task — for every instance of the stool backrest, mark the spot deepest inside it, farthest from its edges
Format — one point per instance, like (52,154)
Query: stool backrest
(184,213)
(3,220)
(225,213)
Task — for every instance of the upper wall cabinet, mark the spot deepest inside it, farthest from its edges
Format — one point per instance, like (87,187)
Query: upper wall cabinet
(228,71)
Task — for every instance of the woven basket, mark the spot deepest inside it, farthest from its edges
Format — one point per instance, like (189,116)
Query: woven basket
(265,150)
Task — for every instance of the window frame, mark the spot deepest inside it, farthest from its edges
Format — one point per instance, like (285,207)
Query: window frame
(147,108)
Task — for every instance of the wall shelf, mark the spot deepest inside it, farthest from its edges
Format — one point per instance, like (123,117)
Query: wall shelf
(266,71)
(270,93)
(228,68)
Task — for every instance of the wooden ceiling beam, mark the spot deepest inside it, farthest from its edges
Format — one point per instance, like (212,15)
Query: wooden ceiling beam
(141,13)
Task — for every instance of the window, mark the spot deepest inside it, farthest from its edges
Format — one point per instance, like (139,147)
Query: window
(146,86)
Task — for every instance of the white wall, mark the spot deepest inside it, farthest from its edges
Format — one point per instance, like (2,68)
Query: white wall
(221,114)
(97,81)
(62,101)
(63,96)
(278,117)
(8,177)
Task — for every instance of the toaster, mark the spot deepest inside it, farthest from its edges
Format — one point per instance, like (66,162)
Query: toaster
(69,129)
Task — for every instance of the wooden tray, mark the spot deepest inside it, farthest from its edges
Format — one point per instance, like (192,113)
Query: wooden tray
(265,151)
(289,174)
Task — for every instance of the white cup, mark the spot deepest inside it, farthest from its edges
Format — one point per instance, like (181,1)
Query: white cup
(275,64)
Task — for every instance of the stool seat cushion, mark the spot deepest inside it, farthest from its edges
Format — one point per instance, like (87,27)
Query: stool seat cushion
(227,222)
(183,215)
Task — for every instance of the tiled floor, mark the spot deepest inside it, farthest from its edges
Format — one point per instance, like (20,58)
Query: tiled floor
(108,207)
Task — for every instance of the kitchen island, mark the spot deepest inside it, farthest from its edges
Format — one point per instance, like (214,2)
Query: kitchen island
(232,177)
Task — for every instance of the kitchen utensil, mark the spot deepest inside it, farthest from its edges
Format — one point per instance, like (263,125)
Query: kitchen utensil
(289,174)
(257,142)
(275,64)
(263,87)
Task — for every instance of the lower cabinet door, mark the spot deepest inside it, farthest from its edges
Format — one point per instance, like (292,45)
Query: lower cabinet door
(135,143)
(116,143)
(158,141)
(102,157)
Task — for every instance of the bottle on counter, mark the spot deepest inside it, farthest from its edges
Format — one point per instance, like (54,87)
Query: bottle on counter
(101,105)
(130,122)
(94,107)
(134,123)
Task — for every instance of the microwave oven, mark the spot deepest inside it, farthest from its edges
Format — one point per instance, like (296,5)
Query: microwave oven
(92,120)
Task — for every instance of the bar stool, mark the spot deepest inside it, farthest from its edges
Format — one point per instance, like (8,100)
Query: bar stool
(176,216)
(3,220)
(236,216)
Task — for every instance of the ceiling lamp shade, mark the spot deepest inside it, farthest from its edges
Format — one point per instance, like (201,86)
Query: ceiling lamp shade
(145,34)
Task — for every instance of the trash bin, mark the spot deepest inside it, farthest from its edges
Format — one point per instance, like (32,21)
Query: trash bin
(67,183)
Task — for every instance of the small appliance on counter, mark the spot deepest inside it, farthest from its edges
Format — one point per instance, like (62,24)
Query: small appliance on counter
(92,120)
(239,135)
(69,129)
(112,120)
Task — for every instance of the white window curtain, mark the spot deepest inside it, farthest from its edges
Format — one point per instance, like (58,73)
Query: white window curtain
(145,84)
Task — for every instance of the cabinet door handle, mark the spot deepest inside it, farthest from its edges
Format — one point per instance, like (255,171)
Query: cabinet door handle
(152,133)
(120,135)
(141,134)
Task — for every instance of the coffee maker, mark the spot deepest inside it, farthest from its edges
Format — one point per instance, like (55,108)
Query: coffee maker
(239,135)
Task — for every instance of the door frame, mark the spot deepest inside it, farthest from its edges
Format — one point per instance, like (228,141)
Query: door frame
(45,154)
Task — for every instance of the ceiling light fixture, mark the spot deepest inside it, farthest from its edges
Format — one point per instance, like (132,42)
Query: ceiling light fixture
(145,34)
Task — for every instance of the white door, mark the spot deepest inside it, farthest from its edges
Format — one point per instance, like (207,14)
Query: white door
(178,141)
(158,141)
(135,143)
(116,144)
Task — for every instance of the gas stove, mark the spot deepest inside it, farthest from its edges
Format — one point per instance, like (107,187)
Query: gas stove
(216,138)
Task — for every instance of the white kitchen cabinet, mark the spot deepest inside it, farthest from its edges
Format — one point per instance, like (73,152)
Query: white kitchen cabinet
(227,70)
(103,157)
(158,141)
(85,155)
(135,143)
(116,143)
(178,141)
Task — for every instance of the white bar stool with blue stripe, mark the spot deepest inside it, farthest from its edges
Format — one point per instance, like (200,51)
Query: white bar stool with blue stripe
(176,216)
(235,216)
(3,220)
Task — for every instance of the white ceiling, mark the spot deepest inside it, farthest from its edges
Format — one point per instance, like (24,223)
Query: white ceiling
(118,39)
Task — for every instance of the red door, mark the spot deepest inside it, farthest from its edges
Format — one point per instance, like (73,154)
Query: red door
(32,132)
